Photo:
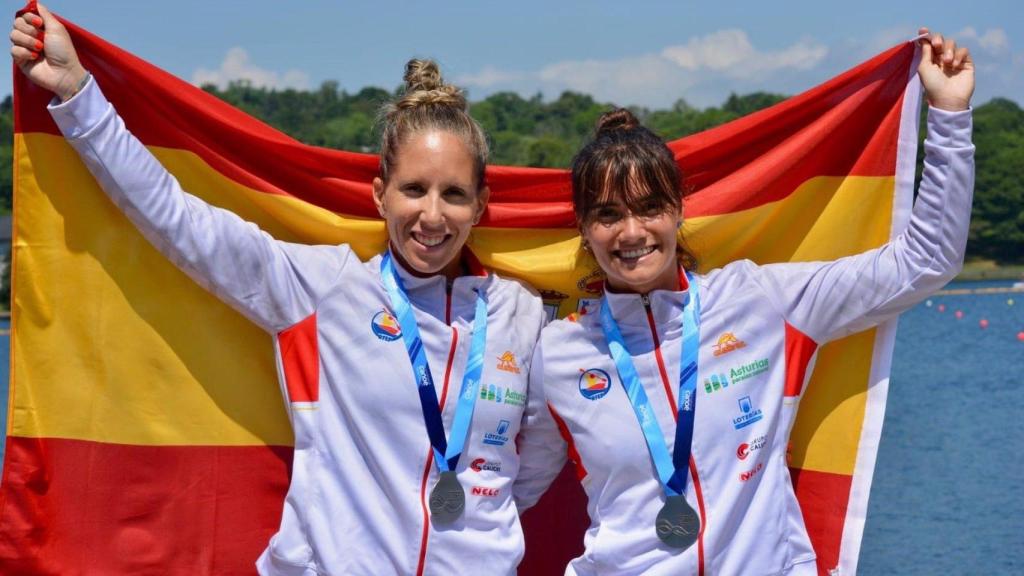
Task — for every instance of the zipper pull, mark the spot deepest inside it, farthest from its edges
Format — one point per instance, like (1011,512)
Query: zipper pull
(646,300)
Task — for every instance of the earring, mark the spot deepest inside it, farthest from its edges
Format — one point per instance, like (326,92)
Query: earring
(585,245)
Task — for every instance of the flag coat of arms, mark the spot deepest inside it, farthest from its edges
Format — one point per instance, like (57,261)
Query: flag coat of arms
(145,424)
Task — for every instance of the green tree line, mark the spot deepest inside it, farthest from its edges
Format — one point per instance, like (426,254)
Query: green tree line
(535,132)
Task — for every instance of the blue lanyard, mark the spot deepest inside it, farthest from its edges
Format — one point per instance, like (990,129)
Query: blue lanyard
(446,453)
(672,470)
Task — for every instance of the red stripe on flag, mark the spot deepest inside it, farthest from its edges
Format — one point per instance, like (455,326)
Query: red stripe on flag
(554,528)
(824,520)
(110,508)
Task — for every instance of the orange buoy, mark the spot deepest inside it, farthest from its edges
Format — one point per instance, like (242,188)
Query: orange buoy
(983,323)
(942,307)
(959,314)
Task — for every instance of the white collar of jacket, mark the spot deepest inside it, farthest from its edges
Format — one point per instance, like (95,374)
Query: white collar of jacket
(666,307)
(429,293)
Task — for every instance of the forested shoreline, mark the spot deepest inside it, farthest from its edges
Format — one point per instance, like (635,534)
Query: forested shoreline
(546,132)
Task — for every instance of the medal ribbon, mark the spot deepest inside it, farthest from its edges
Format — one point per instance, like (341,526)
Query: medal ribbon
(446,453)
(672,470)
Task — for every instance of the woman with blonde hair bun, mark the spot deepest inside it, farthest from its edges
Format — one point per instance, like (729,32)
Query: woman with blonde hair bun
(380,362)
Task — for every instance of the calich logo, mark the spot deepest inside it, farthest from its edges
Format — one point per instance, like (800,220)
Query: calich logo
(385,326)
(594,383)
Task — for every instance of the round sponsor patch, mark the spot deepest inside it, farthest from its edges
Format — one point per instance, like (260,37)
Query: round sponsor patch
(594,384)
(385,326)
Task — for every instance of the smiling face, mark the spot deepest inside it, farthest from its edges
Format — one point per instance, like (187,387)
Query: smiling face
(430,201)
(636,248)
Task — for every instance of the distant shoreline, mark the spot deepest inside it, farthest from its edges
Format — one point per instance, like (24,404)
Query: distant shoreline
(988,270)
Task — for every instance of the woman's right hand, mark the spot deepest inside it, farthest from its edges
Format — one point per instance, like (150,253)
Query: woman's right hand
(49,60)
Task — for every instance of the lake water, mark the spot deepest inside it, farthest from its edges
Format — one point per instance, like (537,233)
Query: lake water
(948,491)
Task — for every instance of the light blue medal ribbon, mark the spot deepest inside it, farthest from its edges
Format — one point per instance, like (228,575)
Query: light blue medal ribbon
(446,453)
(677,525)
(672,469)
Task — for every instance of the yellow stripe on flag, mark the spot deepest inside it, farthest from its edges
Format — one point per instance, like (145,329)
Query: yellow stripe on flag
(161,332)
(828,425)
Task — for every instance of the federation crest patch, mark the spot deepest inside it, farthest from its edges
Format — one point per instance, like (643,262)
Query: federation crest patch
(385,326)
(594,383)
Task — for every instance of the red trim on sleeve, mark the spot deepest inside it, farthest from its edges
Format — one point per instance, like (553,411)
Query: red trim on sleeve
(300,360)
(574,455)
(799,351)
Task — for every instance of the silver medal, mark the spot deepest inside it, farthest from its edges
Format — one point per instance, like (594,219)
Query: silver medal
(447,499)
(678,525)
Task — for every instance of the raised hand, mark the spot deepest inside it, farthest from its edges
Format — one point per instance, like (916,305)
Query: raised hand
(42,49)
(946,71)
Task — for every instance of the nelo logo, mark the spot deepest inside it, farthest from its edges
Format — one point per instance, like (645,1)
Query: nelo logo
(744,476)
(385,326)
(594,383)
(480,464)
(484,491)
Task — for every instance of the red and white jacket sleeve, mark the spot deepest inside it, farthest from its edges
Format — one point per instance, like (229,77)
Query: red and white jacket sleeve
(275,284)
(829,300)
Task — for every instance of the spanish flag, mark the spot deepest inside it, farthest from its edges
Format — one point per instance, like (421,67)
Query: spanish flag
(146,434)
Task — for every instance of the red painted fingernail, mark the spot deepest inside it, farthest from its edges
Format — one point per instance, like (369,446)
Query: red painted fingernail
(34,55)
(39,45)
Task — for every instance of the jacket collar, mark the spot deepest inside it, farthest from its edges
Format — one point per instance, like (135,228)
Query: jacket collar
(429,293)
(630,310)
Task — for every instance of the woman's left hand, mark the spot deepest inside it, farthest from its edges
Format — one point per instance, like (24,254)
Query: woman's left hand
(947,72)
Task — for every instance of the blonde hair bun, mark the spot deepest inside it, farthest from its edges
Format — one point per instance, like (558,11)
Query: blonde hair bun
(425,87)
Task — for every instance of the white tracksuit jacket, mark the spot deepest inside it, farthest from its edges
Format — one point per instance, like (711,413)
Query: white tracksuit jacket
(362,468)
(760,327)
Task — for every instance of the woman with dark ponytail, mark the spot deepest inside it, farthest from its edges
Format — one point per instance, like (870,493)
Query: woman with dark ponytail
(651,392)
(398,468)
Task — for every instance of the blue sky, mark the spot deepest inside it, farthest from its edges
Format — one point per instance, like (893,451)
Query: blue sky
(646,53)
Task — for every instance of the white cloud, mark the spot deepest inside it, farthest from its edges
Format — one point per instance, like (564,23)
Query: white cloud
(730,52)
(488,77)
(994,41)
(704,71)
(236,66)
(882,40)
(625,80)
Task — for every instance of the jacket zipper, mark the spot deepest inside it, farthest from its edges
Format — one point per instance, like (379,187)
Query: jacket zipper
(672,405)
